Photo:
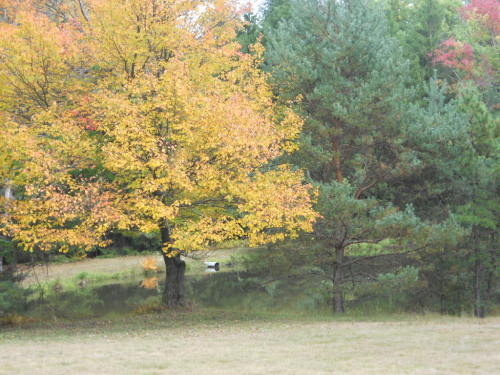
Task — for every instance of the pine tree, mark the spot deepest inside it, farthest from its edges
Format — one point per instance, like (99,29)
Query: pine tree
(348,77)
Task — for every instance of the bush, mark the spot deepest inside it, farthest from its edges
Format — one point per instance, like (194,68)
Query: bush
(13,298)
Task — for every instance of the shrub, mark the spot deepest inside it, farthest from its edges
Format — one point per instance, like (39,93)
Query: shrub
(13,298)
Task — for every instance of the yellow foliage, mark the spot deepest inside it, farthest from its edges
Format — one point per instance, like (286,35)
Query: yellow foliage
(150,283)
(150,264)
(36,56)
(175,126)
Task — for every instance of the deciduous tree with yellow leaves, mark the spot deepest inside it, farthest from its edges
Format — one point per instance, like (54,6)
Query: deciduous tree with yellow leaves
(156,121)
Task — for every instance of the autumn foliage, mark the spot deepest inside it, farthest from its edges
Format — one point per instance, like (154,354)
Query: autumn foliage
(474,54)
(133,114)
(456,55)
(486,12)
(149,264)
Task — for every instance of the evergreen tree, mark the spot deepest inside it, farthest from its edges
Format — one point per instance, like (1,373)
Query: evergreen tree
(274,12)
(481,210)
(456,143)
(420,27)
(352,81)
(348,77)
(250,32)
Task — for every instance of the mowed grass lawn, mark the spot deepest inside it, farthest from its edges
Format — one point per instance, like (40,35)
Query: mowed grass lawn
(223,343)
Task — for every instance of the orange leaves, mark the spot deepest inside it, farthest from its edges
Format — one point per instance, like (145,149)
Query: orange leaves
(36,56)
(58,208)
(83,114)
(14,142)
(150,283)
(150,264)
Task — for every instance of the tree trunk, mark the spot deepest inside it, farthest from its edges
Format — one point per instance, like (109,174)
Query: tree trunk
(479,310)
(174,294)
(338,295)
(339,177)
(478,301)
(491,269)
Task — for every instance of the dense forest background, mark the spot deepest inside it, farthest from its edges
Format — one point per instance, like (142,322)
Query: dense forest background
(354,143)
(401,137)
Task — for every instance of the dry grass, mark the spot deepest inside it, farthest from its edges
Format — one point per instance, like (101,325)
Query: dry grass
(221,343)
(164,344)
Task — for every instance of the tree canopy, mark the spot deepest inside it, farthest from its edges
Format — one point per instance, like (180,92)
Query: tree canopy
(351,129)
(146,116)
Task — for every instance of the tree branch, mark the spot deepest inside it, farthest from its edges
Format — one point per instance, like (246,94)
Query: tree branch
(82,10)
(356,260)
(362,189)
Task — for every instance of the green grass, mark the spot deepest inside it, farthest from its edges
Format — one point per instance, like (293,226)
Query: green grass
(43,274)
(102,286)
(47,273)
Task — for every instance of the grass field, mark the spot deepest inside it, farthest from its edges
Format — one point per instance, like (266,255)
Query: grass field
(53,271)
(216,342)
(209,341)
(43,273)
